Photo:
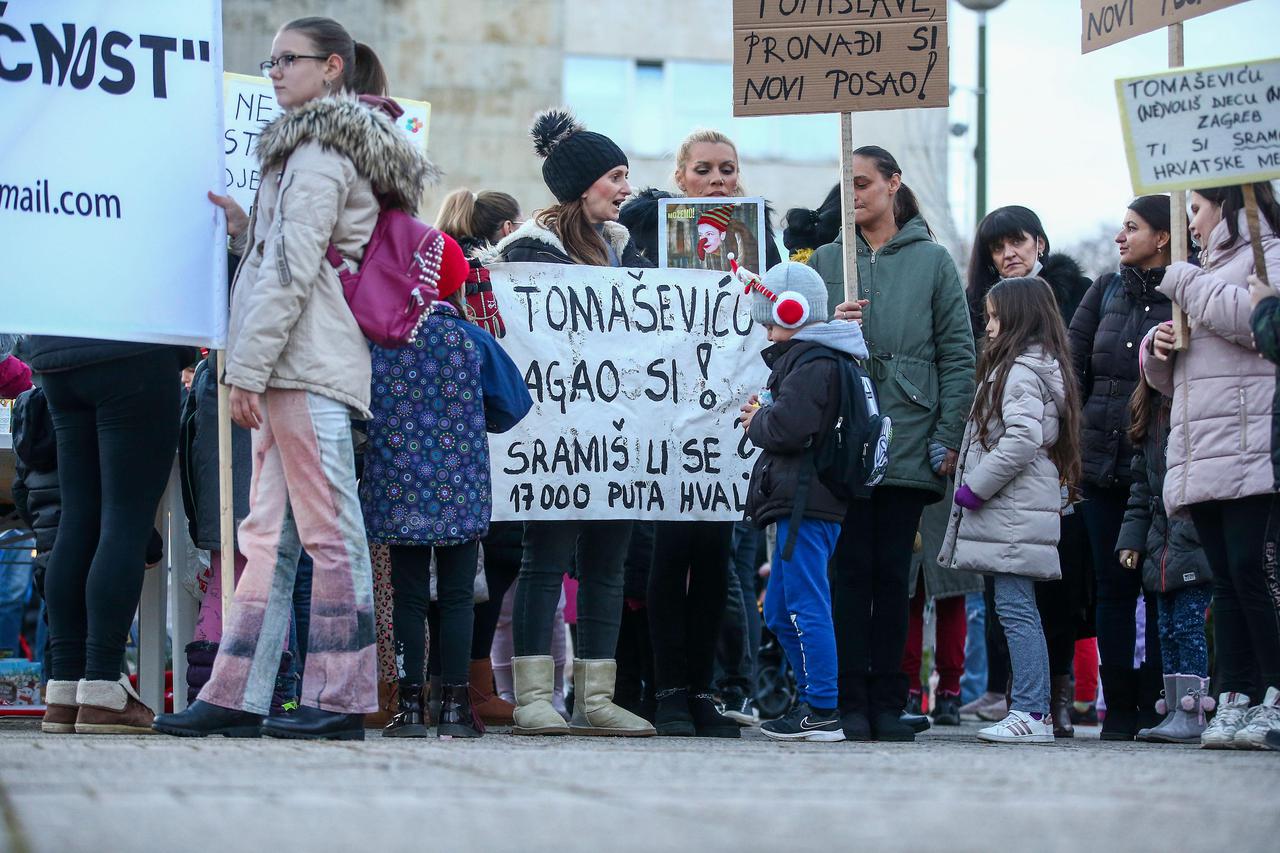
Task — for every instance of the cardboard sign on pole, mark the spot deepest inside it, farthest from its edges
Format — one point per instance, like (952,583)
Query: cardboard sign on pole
(791,58)
(1107,22)
(1202,127)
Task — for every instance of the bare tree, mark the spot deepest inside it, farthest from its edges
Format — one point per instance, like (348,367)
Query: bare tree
(1096,254)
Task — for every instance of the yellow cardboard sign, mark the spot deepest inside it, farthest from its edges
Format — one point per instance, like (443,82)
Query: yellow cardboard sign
(1202,127)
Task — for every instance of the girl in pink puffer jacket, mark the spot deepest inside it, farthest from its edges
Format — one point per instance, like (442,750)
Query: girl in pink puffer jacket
(1219,457)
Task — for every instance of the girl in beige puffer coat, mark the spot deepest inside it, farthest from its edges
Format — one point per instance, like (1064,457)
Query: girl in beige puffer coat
(1219,458)
(1020,445)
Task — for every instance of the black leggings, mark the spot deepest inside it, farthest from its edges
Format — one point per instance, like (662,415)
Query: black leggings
(411,596)
(687,588)
(869,596)
(501,567)
(116,425)
(551,548)
(1241,538)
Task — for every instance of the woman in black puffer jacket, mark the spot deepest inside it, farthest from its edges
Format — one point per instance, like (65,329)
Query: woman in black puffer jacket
(1106,333)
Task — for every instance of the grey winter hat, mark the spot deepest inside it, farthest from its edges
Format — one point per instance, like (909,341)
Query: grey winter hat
(574,157)
(799,297)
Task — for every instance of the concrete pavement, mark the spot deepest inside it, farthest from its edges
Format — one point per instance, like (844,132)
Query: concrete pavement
(947,792)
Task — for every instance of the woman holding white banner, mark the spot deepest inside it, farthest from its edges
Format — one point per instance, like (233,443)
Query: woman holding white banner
(692,575)
(298,367)
(587,173)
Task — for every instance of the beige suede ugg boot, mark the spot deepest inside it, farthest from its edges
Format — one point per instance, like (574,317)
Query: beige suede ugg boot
(593,710)
(534,713)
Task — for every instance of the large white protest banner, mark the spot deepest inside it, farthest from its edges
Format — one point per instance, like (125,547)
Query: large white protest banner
(1202,127)
(637,377)
(111,138)
(250,102)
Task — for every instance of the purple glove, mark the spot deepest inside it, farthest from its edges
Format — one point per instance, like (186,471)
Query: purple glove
(967,499)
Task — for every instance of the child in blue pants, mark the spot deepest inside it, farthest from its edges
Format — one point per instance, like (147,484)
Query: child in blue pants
(800,407)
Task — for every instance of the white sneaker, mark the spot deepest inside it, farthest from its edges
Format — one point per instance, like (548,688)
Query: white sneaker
(1229,719)
(1259,721)
(1018,727)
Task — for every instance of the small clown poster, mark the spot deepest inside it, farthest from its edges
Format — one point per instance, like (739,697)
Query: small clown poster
(702,233)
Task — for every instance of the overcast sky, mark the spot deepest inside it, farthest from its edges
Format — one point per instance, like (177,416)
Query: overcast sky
(1054,141)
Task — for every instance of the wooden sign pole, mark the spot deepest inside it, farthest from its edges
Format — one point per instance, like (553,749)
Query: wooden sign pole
(1255,236)
(226,500)
(1178,248)
(847,214)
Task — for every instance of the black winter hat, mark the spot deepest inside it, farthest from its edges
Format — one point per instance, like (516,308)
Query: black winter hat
(575,158)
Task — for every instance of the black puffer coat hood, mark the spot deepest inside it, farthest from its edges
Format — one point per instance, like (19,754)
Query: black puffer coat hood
(35,487)
(1106,333)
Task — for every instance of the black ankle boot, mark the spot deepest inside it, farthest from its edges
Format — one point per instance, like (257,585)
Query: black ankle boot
(1120,687)
(457,719)
(201,719)
(309,723)
(707,719)
(673,718)
(410,719)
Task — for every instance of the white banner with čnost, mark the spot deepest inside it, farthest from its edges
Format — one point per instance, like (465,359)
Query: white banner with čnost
(637,377)
(112,135)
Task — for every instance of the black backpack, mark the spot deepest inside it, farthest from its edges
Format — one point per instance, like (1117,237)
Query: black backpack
(851,456)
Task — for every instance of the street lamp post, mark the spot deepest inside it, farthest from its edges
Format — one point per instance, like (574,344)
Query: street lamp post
(980,148)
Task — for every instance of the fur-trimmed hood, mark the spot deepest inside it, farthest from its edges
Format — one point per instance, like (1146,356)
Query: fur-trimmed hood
(530,234)
(398,171)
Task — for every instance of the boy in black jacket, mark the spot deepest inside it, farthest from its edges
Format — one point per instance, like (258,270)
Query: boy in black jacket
(791,303)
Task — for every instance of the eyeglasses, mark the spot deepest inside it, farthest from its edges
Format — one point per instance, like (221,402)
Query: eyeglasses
(285,61)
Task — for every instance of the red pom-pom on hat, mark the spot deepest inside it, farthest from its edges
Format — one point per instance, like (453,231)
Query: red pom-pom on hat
(454,267)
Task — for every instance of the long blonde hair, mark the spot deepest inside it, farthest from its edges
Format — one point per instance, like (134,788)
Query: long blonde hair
(568,221)
(714,137)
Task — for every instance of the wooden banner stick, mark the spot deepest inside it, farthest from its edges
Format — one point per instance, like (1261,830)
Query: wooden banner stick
(847,214)
(226,499)
(1178,248)
(1255,235)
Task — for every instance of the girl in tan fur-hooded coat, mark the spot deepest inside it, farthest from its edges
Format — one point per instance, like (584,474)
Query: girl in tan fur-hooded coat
(1021,445)
(298,366)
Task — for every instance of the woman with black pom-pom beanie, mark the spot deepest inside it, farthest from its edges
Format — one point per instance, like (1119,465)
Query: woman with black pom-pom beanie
(587,173)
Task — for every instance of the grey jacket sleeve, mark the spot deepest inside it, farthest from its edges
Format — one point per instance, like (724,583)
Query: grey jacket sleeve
(314,191)
(1023,408)
(1137,513)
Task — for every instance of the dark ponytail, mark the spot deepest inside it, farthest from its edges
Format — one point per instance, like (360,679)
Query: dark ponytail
(809,229)
(906,206)
(362,72)
(368,76)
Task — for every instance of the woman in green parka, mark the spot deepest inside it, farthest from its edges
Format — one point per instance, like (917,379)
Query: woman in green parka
(916,323)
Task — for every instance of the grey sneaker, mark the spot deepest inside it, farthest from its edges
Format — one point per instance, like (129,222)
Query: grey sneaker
(1260,722)
(989,706)
(1229,719)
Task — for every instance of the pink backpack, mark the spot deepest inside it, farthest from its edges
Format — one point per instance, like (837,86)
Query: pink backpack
(396,285)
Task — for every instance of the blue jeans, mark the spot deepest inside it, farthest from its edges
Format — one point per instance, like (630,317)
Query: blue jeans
(974,681)
(15,587)
(1028,651)
(797,608)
